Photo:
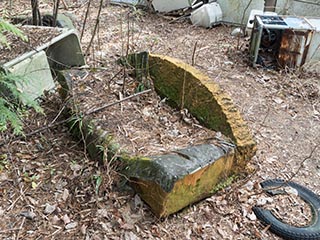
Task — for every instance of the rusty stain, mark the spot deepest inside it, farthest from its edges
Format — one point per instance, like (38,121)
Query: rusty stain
(294,47)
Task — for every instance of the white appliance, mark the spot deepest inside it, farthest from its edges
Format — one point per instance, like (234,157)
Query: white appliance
(253,13)
(284,41)
(168,6)
(207,15)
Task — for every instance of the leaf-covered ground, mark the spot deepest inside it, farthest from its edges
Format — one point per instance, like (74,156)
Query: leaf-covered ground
(50,188)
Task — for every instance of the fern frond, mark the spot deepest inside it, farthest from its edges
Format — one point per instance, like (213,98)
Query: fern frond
(3,40)
(11,29)
(8,86)
(8,116)
(11,98)
(10,82)
(6,26)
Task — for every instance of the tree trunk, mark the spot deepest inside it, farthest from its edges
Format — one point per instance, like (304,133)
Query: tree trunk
(35,12)
(55,12)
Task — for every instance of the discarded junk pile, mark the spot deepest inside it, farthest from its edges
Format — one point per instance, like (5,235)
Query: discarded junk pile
(206,15)
(275,41)
(285,41)
(203,13)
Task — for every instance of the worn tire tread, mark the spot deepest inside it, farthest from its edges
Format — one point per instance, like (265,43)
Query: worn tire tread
(309,232)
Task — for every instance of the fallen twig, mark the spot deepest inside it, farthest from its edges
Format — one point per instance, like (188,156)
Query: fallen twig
(85,20)
(15,201)
(35,131)
(193,53)
(302,162)
(9,230)
(116,102)
(65,5)
(55,232)
(95,27)
(292,176)
(21,225)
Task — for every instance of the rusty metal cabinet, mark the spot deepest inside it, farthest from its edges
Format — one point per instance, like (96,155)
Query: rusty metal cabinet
(284,41)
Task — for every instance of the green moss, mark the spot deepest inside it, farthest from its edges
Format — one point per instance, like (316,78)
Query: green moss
(170,191)
(225,183)
(185,193)
(186,91)
(137,166)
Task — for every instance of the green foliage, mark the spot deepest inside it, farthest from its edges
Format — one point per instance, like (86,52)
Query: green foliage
(98,181)
(11,99)
(31,178)
(223,184)
(10,28)
(76,125)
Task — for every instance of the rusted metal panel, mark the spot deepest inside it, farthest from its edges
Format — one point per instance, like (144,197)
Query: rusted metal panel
(285,41)
(294,47)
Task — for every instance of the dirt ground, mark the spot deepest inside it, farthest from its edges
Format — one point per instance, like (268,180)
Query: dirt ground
(50,188)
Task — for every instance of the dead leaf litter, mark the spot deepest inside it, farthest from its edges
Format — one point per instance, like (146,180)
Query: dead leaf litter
(49,188)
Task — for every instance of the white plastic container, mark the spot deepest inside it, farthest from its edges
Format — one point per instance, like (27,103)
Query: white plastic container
(207,15)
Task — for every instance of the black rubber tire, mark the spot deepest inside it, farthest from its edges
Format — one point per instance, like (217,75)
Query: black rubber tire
(309,232)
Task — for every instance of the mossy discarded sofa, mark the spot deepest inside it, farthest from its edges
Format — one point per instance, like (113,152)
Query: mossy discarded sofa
(172,181)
